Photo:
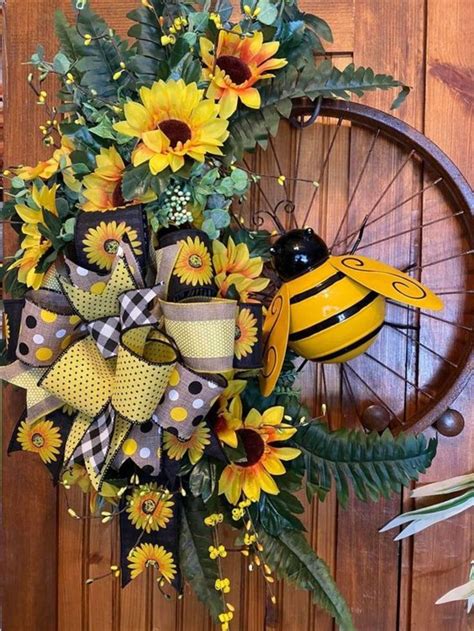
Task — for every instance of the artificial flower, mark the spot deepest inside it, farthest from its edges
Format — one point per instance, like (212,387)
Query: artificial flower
(34,245)
(45,169)
(40,437)
(228,420)
(101,243)
(149,555)
(236,65)
(173,121)
(103,187)
(257,434)
(193,265)
(234,266)
(245,333)
(77,476)
(149,508)
(194,446)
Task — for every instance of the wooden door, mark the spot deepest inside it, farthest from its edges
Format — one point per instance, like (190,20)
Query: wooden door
(47,556)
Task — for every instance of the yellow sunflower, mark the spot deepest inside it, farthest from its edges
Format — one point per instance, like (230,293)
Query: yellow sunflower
(40,437)
(233,265)
(47,168)
(6,328)
(77,476)
(245,333)
(258,433)
(103,187)
(173,121)
(194,446)
(149,555)
(149,507)
(235,66)
(229,418)
(101,243)
(193,265)
(34,245)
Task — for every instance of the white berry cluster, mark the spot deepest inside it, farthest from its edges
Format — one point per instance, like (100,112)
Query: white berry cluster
(175,205)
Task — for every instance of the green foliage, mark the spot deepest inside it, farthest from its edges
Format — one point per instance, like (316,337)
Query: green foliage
(374,465)
(97,62)
(250,128)
(203,479)
(292,558)
(194,541)
(277,512)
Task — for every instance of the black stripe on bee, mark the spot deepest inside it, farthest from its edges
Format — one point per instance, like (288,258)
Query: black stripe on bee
(349,347)
(336,319)
(317,288)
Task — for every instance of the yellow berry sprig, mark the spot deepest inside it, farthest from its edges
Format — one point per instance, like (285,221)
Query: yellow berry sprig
(217,551)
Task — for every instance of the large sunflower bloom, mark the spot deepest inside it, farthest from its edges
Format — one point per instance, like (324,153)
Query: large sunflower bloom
(149,555)
(149,508)
(193,265)
(103,187)
(258,433)
(34,245)
(235,66)
(42,438)
(194,446)
(101,243)
(234,266)
(173,121)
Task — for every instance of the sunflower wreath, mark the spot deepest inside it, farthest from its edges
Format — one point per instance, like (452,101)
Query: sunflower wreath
(136,319)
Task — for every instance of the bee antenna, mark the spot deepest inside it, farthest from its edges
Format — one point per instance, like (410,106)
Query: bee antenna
(360,236)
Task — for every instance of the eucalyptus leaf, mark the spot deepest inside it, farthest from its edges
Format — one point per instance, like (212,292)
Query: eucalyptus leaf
(268,12)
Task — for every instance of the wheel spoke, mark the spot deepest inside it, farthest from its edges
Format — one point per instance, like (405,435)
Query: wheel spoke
(430,315)
(322,170)
(356,187)
(379,399)
(408,230)
(397,374)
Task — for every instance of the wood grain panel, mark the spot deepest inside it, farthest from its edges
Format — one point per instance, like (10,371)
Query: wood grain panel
(389,587)
(441,555)
(29,570)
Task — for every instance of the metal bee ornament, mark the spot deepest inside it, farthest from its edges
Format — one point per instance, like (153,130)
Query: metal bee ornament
(329,309)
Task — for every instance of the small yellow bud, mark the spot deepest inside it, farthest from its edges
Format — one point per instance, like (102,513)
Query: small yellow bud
(122,65)
(73,513)
(247,10)
(281,180)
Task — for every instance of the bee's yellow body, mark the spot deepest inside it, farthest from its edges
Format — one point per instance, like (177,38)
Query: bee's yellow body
(330,308)
(332,317)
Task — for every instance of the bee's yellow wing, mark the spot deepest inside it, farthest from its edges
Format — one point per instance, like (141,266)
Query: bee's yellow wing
(275,335)
(387,281)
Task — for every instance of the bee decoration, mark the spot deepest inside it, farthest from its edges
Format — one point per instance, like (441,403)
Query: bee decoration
(329,309)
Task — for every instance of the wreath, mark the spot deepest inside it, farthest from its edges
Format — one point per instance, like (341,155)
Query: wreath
(141,299)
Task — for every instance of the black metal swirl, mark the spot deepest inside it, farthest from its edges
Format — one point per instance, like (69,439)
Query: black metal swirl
(286,205)
(401,282)
(270,355)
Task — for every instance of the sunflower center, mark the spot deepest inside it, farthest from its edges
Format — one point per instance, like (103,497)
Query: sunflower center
(117,197)
(253,445)
(37,440)
(176,131)
(238,333)
(149,506)
(111,246)
(195,261)
(235,68)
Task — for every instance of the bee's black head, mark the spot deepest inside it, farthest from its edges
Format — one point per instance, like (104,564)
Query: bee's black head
(298,252)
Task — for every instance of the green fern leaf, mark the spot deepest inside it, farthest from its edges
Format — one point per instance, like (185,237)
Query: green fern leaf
(374,465)
(250,128)
(292,559)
